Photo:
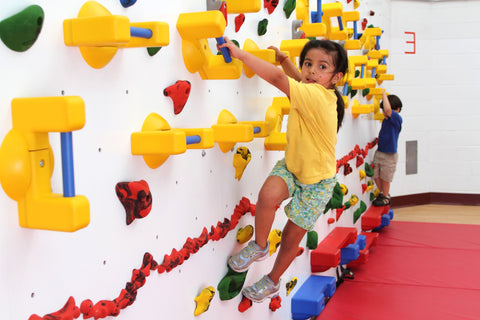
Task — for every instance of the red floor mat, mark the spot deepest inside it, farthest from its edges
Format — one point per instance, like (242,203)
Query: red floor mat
(416,271)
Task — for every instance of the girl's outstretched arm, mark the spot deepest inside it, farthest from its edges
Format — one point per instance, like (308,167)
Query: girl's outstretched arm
(262,68)
(287,65)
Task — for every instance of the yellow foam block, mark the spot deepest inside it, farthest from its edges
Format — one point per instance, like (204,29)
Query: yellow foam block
(243,6)
(96,31)
(358,108)
(158,142)
(265,54)
(276,140)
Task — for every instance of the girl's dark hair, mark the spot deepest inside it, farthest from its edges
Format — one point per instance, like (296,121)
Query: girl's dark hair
(340,61)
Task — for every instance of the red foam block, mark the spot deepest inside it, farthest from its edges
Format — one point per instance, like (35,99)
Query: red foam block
(372,218)
(372,239)
(327,253)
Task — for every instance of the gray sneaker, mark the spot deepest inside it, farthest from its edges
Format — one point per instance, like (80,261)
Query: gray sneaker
(262,289)
(241,261)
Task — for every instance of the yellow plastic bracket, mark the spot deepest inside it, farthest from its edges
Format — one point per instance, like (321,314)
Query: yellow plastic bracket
(358,108)
(374,92)
(243,6)
(195,28)
(27,163)
(293,47)
(276,140)
(228,131)
(353,44)
(99,34)
(383,77)
(317,29)
(265,54)
(331,10)
(157,140)
(368,38)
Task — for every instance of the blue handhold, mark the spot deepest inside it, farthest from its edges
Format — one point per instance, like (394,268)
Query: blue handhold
(127,3)
(309,300)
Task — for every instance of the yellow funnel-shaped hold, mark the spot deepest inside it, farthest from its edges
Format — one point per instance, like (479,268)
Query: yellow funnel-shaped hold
(368,38)
(243,6)
(195,28)
(99,34)
(276,140)
(358,108)
(228,131)
(265,54)
(27,163)
(157,141)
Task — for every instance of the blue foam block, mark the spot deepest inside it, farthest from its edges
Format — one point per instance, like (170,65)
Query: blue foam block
(309,300)
(352,251)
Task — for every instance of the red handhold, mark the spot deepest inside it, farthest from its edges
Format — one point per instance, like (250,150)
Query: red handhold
(339,212)
(300,251)
(179,92)
(275,303)
(359,161)
(69,312)
(330,220)
(245,304)
(347,169)
(372,13)
(364,23)
(270,5)
(223,9)
(364,187)
(136,199)
(239,20)
(348,1)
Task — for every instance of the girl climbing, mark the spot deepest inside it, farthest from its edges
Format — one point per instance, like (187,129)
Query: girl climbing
(307,172)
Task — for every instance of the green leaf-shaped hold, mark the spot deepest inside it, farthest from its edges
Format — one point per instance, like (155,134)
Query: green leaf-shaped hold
(20,31)
(289,7)
(262,27)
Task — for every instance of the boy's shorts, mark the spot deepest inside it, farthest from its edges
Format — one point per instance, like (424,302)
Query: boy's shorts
(308,200)
(385,165)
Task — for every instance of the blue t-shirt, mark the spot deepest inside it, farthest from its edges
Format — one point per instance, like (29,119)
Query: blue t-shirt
(388,136)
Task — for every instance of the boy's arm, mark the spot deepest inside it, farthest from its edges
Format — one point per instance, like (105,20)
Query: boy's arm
(287,65)
(387,108)
(262,68)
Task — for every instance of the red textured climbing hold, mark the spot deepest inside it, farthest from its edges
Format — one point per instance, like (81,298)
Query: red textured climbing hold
(69,312)
(223,9)
(364,23)
(348,1)
(330,220)
(275,303)
(339,212)
(245,304)
(347,169)
(136,199)
(270,5)
(179,93)
(359,161)
(239,20)
(372,13)
(300,251)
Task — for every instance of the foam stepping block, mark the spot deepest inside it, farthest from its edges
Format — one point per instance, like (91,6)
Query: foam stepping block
(371,240)
(309,300)
(352,251)
(328,252)
(385,220)
(372,218)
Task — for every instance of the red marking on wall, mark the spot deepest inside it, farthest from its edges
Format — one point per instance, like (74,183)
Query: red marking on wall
(412,42)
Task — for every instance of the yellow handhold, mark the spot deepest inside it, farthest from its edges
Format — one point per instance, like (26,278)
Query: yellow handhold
(227,131)
(276,140)
(374,92)
(317,29)
(383,77)
(356,4)
(370,185)
(353,44)
(157,141)
(243,6)
(368,38)
(195,28)
(358,108)
(331,10)
(362,174)
(244,234)
(265,54)
(376,192)
(203,300)
(291,284)
(240,160)
(343,188)
(353,200)
(99,34)
(274,238)
(27,163)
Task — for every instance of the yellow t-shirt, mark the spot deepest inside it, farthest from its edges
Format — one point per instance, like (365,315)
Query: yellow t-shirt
(311,132)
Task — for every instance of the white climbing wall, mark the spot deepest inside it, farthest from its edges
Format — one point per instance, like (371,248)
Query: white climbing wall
(40,270)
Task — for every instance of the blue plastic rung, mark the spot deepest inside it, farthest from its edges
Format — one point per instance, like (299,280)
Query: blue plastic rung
(224,51)
(340,23)
(362,73)
(345,89)
(193,139)
(141,32)
(373,72)
(355,32)
(67,164)
(256,130)
(377,45)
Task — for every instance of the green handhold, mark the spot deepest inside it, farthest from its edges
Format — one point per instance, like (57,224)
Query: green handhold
(288,7)
(353,93)
(231,284)
(153,50)
(358,213)
(236,43)
(336,200)
(312,240)
(372,196)
(357,73)
(368,170)
(349,90)
(365,92)
(20,31)
(262,27)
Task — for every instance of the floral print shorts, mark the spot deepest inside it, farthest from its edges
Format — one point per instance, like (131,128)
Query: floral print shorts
(308,200)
